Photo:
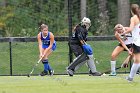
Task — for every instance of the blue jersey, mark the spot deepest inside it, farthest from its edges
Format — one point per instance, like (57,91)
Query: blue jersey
(46,41)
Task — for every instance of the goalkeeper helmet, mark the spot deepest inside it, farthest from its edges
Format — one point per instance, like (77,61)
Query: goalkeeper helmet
(86,22)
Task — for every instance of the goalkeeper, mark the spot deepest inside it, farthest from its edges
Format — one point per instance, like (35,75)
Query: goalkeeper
(81,50)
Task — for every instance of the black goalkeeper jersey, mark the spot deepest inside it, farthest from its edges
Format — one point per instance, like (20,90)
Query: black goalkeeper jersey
(79,33)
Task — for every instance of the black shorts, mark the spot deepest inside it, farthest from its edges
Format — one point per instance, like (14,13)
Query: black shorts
(136,49)
(128,46)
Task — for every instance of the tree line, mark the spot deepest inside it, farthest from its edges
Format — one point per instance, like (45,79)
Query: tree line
(23,17)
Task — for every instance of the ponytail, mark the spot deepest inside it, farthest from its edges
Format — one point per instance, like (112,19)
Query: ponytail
(136,10)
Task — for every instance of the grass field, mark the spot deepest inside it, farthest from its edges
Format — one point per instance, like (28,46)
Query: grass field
(25,55)
(66,84)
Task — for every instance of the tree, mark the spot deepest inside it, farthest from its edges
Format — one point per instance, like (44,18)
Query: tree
(123,12)
(2,18)
(83,8)
(103,17)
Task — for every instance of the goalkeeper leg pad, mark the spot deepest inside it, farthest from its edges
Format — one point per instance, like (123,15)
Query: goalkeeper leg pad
(81,58)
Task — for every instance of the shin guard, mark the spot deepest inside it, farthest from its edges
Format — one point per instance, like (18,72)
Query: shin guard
(91,64)
(46,65)
(81,58)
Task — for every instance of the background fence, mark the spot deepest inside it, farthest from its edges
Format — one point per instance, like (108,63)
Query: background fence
(18,55)
(23,18)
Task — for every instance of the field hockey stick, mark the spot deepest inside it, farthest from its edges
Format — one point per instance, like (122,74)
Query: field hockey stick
(126,61)
(96,61)
(35,66)
(110,70)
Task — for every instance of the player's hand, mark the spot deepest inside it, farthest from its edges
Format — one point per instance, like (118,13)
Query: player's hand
(126,28)
(124,65)
(129,52)
(41,56)
(87,49)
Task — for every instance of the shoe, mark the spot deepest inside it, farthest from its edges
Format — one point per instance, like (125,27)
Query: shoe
(70,72)
(129,79)
(43,73)
(113,74)
(51,72)
(95,74)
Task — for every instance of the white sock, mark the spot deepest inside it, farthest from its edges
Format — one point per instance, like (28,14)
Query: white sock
(134,69)
(113,66)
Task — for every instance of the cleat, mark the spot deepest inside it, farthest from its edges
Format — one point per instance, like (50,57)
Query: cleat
(129,79)
(70,72)
(113,74)
(43,73)
(95,74)
(51,72)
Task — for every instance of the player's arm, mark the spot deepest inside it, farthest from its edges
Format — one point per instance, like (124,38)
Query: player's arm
(81,38)
(51,43)
(122,43)
(39,44)
(132,24)
(86,47)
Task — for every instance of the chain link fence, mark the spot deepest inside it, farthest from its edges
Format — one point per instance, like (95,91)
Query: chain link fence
(19,55)
(23,18)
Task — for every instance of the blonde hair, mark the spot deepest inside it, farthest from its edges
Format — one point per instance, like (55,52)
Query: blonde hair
(43,26)
(119,28)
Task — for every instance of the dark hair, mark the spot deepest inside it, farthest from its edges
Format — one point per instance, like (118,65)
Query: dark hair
(43,26)
(135,9)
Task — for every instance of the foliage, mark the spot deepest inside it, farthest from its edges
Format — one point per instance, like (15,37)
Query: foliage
(22,18)
(28,15)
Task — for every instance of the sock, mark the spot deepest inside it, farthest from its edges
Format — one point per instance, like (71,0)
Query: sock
(134,69)
(113,66)
(46,65)
(49,67)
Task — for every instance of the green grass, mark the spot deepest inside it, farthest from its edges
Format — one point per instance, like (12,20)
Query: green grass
(25,55)
(66,84)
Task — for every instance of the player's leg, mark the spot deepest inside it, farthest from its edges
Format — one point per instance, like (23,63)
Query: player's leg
(76,63)
(90,62)
(92,67)
(47,67)
(114,55)
(135,67)
(79,65)
(136,64)
(45,71)
(80,58)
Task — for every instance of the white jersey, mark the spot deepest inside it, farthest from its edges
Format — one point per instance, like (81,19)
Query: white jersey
(136,35)
(127,39)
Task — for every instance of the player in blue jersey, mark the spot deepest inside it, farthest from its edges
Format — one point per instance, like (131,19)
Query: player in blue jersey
(47,45)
